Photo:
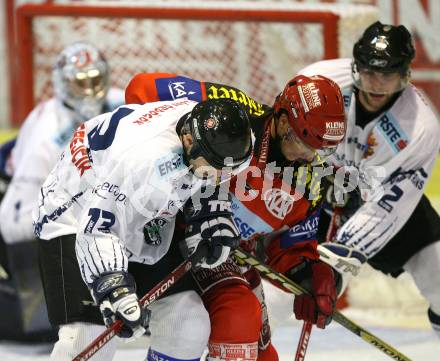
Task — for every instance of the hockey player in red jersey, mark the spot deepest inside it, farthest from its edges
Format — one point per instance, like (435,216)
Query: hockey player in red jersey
(305,125)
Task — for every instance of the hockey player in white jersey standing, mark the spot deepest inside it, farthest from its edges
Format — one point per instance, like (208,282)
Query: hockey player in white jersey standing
(390,128)
(82,91)
(115,199)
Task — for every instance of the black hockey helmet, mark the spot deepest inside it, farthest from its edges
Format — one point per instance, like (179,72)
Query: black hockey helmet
(221,131)
(384,48)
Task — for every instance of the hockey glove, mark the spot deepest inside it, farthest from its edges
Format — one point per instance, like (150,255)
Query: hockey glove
(346,261)
(348,202)
(318,306)
(255,246)
(210,232)
(115,293)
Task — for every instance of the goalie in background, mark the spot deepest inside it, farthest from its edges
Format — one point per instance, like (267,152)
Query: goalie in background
(391,126)
(82,91)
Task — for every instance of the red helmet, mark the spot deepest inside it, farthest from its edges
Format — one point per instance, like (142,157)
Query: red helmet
(315,109)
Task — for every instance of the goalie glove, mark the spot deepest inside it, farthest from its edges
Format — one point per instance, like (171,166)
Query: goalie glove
(345,260)
(210,233)
(114,292)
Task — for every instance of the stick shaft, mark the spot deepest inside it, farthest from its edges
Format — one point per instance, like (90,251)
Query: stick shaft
(155,293)
(292,287)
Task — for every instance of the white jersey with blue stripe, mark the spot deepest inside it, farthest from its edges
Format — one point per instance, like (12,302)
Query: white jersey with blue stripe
(121,175)
(42,138)
(394,154)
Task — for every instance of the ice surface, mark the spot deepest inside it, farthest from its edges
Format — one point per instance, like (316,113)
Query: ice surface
(333,344)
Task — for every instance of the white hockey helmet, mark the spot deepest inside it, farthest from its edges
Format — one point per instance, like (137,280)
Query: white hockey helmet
(81,79)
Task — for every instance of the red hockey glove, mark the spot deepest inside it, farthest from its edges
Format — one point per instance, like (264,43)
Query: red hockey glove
(319,305)
(255,246)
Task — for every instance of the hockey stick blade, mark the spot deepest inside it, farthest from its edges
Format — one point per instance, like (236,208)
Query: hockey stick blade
(296,289)
(154,294)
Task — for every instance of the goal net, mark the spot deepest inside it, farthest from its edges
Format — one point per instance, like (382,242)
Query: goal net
(256,46)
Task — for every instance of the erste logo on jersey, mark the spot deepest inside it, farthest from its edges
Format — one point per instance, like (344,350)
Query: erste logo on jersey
(167,165)
(278,202)
(178,87)
(391,131)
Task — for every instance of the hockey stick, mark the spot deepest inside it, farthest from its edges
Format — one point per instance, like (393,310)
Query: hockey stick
(334,224)
(296,289)
(303,342)
(155,293)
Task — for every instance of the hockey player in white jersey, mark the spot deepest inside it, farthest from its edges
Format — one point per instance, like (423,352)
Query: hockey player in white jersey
(81,86)
(115,197)
(391,128)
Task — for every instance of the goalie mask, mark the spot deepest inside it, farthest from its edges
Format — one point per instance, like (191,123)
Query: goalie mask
(81,79)
(315,110)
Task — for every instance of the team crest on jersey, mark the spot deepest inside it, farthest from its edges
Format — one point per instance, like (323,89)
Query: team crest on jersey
(278,202)
(152,231)
(371,143)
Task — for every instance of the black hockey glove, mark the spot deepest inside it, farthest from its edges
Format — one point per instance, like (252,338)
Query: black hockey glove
(210,232)
(115,293)
(348,202)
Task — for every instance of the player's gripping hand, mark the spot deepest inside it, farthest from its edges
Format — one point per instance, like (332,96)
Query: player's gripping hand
(114,292)
(318,306)
(210,232)
(346,261)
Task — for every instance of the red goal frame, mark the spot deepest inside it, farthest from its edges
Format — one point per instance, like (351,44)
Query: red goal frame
(26,14)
